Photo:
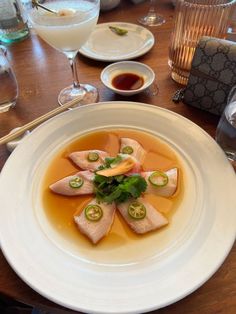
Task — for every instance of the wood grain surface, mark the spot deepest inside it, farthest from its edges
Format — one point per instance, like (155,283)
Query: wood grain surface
(41,73)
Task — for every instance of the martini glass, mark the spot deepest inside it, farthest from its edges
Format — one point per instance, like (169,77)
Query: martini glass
(66,26)
(152,18)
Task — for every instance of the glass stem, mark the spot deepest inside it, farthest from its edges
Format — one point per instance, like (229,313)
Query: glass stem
(152,7)
(72,61)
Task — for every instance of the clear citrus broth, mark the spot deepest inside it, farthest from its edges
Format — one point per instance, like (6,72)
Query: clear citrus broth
(61,209)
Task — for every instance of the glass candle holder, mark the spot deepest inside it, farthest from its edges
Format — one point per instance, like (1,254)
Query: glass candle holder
(194,19)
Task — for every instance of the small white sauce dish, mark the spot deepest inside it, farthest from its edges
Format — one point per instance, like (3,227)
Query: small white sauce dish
(106,5)
(140,69)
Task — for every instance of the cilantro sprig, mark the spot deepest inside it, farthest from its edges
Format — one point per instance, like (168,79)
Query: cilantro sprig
(117,188)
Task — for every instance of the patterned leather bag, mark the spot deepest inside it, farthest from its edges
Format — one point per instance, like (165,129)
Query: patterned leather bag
(213,74)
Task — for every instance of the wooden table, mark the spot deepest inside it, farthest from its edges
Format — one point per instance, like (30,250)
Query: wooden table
(42,72)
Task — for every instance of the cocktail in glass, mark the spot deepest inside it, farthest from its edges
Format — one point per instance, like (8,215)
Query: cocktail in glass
(66,26)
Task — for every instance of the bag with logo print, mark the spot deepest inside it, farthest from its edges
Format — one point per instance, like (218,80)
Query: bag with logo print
(212,75)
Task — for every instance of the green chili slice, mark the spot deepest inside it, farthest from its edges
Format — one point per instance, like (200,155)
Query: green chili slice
(93,156)
(137,210)
(76,182)
(158,179)
(93,212)
(119,31)
(127,150)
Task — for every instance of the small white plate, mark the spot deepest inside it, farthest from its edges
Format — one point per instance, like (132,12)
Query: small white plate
(133,67)
(105,45)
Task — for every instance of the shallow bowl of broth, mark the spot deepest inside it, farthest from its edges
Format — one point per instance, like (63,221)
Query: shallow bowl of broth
(127,78)
(37,232)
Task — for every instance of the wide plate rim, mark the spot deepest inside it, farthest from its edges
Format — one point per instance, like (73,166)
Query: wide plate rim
(147,106)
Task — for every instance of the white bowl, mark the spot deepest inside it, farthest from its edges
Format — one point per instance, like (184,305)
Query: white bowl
(106,5)
(137,68)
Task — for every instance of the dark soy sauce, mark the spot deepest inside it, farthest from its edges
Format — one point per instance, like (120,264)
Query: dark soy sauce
(127,81)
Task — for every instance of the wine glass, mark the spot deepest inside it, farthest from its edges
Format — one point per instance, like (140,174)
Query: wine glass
(152,18)
(66,26)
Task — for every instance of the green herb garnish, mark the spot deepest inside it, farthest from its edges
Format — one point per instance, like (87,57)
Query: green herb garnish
(118,188)
(119,31)
(110,162)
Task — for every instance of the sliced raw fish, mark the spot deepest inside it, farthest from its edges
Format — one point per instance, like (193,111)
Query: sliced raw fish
(167,190)
(64,186)
(136,149)
(81,159)
(96,230)
(152,221)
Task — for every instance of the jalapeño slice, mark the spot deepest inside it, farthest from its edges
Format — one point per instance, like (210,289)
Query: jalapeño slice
(93,156)
(137,210)
(127,150)
(76,182)
(158,179)
(119,31)
(93,212)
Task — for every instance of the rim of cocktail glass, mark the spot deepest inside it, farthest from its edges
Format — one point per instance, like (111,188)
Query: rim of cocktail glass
(96,2)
